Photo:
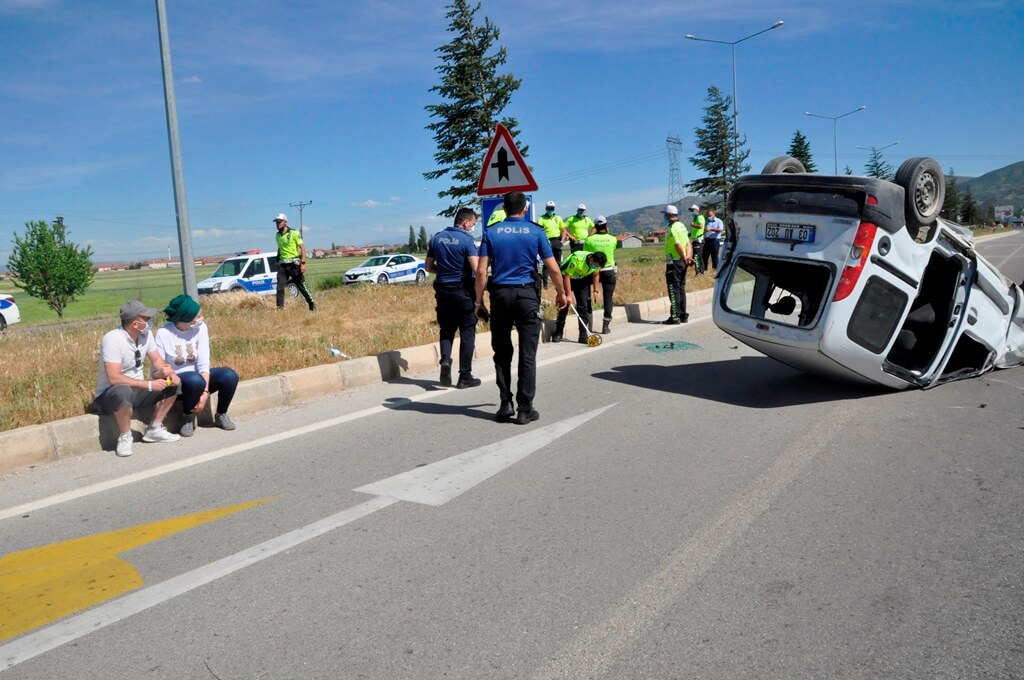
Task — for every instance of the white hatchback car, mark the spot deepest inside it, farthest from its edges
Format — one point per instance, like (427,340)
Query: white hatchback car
(9,312)
(858,278)
(384,269)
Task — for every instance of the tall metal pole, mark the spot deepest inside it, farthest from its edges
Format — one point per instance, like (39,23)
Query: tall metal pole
(300,205)
(188,269)
(735,104)
(835,136)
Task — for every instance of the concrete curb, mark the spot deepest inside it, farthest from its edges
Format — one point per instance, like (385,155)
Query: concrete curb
(35,444)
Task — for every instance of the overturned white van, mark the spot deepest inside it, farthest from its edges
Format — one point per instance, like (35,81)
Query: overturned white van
(858,278)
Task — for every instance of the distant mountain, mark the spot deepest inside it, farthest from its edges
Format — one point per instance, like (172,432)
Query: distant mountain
(649,217)
(1004,186)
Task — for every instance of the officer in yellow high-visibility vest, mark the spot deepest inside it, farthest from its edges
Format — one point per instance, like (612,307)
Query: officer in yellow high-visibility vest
(554,229)
(603,242)
(579,227)
(579,273)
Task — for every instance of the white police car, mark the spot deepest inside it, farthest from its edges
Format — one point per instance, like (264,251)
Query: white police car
(8,311)
(384,269)
(251,271)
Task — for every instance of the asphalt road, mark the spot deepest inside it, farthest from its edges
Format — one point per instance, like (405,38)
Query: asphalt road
(684,508)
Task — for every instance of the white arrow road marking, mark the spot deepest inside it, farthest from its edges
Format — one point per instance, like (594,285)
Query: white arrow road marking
(433,484)
(439,482)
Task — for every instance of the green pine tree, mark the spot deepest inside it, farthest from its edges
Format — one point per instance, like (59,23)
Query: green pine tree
(473,96)
(422,242)
(411,246)
(47,266)
(969,211)
(878,166)
(800,149)
(951,202)
(717,156)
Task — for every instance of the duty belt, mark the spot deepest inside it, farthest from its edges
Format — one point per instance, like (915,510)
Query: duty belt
(293,260)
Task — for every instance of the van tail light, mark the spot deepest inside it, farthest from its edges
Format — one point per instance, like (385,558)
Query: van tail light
(856,261)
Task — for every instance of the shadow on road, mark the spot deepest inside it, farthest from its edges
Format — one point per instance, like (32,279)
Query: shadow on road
(483,411)
(751,382)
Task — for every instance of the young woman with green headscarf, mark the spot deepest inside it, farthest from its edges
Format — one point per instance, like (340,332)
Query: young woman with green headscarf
(184,342)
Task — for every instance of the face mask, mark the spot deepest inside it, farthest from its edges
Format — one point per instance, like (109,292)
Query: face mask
(145,326)
(581,213)
(198,323)
(665,218)
(550,211)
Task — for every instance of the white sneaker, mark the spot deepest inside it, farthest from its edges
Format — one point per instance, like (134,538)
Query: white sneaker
(124,444)
(159,434)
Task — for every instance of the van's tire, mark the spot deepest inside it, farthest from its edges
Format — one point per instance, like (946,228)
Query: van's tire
(783,165)
(421,276)
(924,187)
(3,323)
(293,290)
(382,280)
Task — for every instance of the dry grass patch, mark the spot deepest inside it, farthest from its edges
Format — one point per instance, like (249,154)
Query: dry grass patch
(50,373)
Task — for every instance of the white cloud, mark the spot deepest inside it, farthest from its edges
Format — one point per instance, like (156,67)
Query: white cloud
(225,233)
(368,203)
(191,80)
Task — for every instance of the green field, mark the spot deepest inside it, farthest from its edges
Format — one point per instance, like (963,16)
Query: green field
(156,287)
(153,286)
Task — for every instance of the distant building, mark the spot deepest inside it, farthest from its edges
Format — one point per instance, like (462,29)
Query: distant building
(629,241)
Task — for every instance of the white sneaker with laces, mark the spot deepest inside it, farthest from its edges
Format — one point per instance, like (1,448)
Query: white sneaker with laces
(159,434)
(124,444)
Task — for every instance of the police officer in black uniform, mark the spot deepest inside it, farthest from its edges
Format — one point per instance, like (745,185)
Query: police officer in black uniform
(511,248)
(452,256)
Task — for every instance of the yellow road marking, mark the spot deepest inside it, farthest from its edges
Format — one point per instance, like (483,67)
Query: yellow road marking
(43,584)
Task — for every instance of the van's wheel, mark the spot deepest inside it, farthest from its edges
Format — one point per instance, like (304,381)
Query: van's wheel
(382,279)
(924,188)
(293,290)
(783,164)
(421,276)
(3,323)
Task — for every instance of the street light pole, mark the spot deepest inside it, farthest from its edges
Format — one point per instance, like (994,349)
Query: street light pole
(302,225)
(835,136)
(735,110)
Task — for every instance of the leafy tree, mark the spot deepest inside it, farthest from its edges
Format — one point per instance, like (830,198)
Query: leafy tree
(800,149)
(411,246)
(473,97)
(968,206)
(47,266)
(422,241)
(951,202)
(878,166)
(716,154)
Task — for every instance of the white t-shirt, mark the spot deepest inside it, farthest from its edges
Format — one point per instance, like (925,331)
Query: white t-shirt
(184,350)
(117,347)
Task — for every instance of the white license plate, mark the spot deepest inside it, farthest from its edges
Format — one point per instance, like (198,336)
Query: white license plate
(797,233)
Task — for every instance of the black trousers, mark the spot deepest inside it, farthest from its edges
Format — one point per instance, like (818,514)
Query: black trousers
(517,308)
(710,252)
(574,246)
(580,291)
(292,273)
(556,250)
(455,313)
(608,280)
(675,277)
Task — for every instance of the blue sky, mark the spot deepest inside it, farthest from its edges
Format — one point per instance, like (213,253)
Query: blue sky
(323,101)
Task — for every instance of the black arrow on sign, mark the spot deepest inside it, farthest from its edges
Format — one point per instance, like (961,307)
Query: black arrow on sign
(503,164)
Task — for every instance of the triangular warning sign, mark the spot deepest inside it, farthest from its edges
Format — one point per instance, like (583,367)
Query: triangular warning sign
(504,169)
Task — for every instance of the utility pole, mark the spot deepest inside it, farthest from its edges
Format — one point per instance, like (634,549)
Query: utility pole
(300,205)
(675,177)
(188,270)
